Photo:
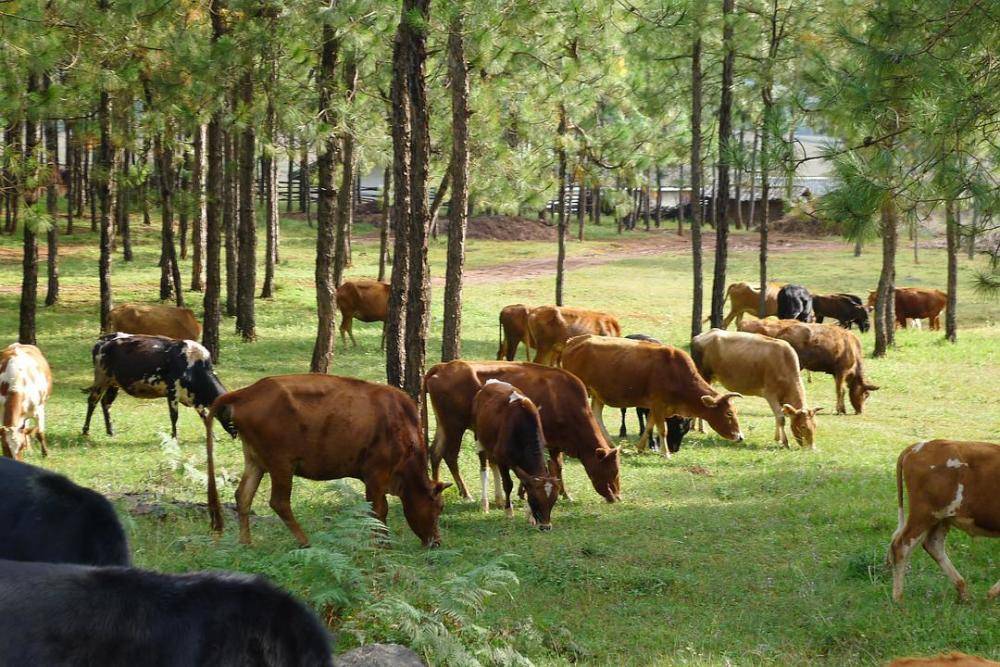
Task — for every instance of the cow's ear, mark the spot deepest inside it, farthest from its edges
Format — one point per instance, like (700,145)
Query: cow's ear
(815,410)
(439,487)
(871,387)
(708,401)
(788,409)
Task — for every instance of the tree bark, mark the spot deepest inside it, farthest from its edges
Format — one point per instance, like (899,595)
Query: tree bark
(696,210)
(198,212)
(214,194)
(72,167)
(738,181)
(229,222)
(123,204)
(102,185)
(29,265)
(346,193)
(722,185)
(951,314)
(581,212)
(383,235)
(247,244)
(52,209)
(269,179)
(184,210)
(885,301)
(753,178)
(561,256)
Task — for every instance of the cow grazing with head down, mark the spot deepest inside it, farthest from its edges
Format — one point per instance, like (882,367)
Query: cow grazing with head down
(551,326)
(509,432)
(514,330)
(153,367)
(625,373)
(25,386)
(745,298)
(365,300)
(677,427)
(343,427)
(155,320)
(847,309)
(756,365)
(916,303)
(951,483)
(567,422)
(62,615)
(795,303)
(48,518)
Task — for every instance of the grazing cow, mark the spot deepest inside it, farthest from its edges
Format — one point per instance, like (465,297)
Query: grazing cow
(363,299)
(152,367)
(513,330)
(953,659)
(25,385)
(567,422)
(155,320)
(625,373)
(845,308)
(342,427)
(509,433)
(756,365)
(950,483)
(916,303)
(551,326)
(677,427)
(48,518)
(795,303)
(744,298)
(823,348)
(62,615)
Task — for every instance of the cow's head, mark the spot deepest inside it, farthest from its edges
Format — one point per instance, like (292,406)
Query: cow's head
(803,423)
(542,492)
(721,415)
(421,498)
(201,383)
(859,391)
(677,428)
(604,474)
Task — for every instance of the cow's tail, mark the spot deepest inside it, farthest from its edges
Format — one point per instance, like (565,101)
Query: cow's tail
(901,515)
(214,506)
(500,348)
(423,411)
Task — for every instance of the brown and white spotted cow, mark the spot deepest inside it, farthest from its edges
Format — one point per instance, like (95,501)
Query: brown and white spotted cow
(25,386)
(949,483)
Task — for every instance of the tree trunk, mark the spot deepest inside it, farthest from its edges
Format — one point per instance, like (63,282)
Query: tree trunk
(645,194)
(198,212)
(657,212)
(52,208)
(269,179)
(765,193)
(383,235)
(595,209)
(184,211)
(753,179)
(102,182)
(170,274)
(346,193)
(122,207)
(73,166)
(247,244)
(696,210)
(951,315)
(885,302)
(29,275)
(561,256)
(680,201)
(288,174)
(738,182)
(304,198)
(12,144)
(229,221)
(214,196)
(722,185)
(580,209)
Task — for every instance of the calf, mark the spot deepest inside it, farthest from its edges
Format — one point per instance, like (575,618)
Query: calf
(514,329)
(343,427)
(795,303)
(551,326)
(509,433)
(25,386)
(117,617)
(744,298)
(48,518)
(847,309)
(950,483)
(155,320)
(916,303)
(759,366)
(677,427)
(363,299)
(153,367)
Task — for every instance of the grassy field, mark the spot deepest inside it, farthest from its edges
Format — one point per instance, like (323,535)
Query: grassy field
(725,554)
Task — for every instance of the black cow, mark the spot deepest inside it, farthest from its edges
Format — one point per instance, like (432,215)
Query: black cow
(847,309)
(45,517)
(795,303)
(62,615)
(677,427)
(153,367)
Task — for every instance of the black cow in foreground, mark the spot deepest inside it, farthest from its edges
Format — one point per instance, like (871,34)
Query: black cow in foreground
(847,309)
(795,303)
(62,615)
(677,427)
(45,517)
(153,367)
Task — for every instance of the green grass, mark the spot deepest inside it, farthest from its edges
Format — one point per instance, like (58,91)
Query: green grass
(774,557)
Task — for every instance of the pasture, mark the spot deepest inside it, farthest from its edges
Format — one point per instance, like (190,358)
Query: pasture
(724,554)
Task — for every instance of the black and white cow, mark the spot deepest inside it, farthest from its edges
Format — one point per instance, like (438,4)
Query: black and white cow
(153,367)
(45,517)
(117,617)
(795,303)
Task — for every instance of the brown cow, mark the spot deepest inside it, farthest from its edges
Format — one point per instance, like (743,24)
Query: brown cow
(323,427)
(916,303)
(25,386)
(567,422)
(757,365)
(823,348)
(551,326)
(509,433)
(155,320)
(745,298)
(513,330)
(363,299)
(950,483)
(953,659)
(626,373)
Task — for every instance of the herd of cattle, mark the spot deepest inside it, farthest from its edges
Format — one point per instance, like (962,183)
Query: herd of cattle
(518,411)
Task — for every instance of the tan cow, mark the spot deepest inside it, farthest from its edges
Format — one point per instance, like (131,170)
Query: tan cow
(25,386)
(745,298)
(626,373)
(756,365)
(551,326)
(950,483)
(155,320)
(514,330)
(363,299)
(916,303)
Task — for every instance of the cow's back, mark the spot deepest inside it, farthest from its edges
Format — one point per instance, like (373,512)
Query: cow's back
(364,299)
(24,370)
(155,320)
(919,302)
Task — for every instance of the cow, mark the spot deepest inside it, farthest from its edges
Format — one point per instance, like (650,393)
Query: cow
(25,386)
(952,659)
(343,427)
(916,303)
(510,437)
(154,320)
(626,373)
(567,422)
(744,298)
(847,309)
(152,367)
(363,299)
(48,518)
(67,614)
(950,483)
(677,427)
(551,326)
(514,330)
(823,348)
(757,365)
(795,303)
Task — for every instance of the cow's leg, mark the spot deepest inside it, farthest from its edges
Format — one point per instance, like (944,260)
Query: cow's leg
(447,446)
(555,470)
(838,383)
(40,429)
(172,407)
(344,320)
(245,492)
(382,344)
(779,423)
(647,433)
(281,503)
(623,432)
(903,542)
(484,477)
(597,407)
(658,417)
(93,398)
(109,397)
(451,458)
(498,493)
(934,545)
(502,475)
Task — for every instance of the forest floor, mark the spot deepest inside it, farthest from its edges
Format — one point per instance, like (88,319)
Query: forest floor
(724,554)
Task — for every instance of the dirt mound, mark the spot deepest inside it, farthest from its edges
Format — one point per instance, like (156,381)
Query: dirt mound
(506,228)
(806,219)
